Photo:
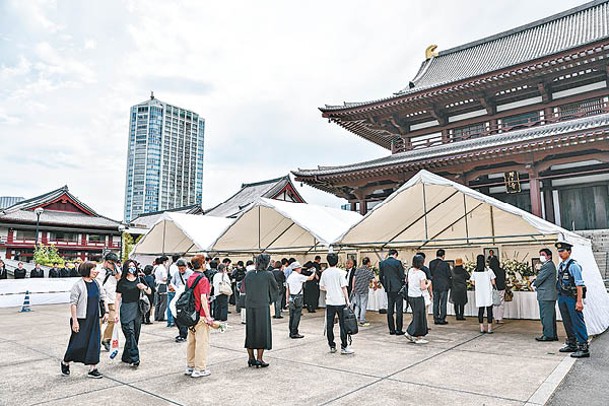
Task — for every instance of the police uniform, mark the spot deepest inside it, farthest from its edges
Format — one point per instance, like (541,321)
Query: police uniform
(569,278)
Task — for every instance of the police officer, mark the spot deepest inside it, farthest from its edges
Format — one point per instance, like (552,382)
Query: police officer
(571,292)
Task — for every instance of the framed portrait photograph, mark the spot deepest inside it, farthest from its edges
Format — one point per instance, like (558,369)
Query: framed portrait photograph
(535,264)
(450,263)
(491,252)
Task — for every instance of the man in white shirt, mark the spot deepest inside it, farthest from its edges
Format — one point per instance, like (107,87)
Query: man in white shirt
(171,293)
(109,277)
(334,282)
(294,297)
(161,279)
(177,285)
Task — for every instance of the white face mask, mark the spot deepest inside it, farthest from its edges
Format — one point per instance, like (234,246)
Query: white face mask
(542,259)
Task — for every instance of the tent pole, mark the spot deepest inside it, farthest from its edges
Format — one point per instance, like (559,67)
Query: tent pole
(419,218)
(425,214)
(164,230)
(452,224)
(259,223)
(278,237)
(492,224)
(465,217)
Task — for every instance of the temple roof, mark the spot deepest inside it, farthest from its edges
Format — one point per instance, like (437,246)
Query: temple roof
(249,193)
(80,214)
(570,29)
(475,146)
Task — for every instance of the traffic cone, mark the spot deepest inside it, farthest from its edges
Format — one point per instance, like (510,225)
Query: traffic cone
(26,303)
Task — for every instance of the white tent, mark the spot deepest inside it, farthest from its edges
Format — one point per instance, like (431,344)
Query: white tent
(180,234)
(430,211)
(282,227)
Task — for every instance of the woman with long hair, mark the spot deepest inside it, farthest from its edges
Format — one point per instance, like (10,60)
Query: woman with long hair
(483,280)
(127,304)
(84,345)
(458,291)
(261,291)
(417,284)
(500,285)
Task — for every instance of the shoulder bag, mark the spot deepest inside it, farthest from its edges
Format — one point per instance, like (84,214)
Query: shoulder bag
(225,288)
(144,302)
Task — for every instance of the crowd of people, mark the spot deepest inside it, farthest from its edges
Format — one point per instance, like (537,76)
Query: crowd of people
(69,270)
(111,293)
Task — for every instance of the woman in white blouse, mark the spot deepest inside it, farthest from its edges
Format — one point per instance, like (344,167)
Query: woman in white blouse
(221,299)
(483,279)
(417,284)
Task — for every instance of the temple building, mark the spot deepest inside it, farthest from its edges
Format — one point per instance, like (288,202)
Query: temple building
(57,218)
(522,116)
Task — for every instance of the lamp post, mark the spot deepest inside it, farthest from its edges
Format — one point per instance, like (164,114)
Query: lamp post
(38,211)
(121,229)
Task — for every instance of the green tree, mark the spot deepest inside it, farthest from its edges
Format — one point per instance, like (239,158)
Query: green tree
(128,244)
(47,255)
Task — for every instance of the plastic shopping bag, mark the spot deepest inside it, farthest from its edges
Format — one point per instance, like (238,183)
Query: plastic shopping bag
(114,343)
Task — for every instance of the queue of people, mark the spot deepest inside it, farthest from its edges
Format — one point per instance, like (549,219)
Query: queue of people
(115,297)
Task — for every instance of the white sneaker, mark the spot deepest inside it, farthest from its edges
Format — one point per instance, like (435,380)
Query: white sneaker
(188,371)
(200,374)
(409,338)
(347,350)
(421,341)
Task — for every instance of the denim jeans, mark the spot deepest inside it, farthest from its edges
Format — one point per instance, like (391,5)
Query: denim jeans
(170,296)
(360,300)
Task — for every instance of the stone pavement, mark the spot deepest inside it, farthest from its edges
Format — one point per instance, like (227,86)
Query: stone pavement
(458,367)
(586,383)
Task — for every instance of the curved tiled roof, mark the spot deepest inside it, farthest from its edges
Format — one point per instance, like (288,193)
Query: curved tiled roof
(534,134)
(570,29)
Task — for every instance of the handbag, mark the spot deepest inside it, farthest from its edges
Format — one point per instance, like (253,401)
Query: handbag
(508,296)
(496,297)
(349,321)
(144,302)
(225,288)
(425,294)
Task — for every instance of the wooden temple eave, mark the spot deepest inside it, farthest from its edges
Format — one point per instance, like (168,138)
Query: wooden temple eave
(563,63)
(594,143)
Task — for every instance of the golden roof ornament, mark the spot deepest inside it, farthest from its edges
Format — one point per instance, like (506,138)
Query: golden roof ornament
(430,51)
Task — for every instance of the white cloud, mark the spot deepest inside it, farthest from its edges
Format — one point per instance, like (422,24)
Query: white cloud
(257,71)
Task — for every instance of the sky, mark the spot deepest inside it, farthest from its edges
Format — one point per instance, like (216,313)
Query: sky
(257,71)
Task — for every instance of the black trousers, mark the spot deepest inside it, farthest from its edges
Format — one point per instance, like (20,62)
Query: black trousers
(331,311)
(296,303)
(459,310)
(183,330)
(395,303)
(489,314)
(131,330)
(221,308)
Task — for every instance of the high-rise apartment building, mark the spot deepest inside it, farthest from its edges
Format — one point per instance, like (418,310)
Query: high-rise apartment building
(165,158)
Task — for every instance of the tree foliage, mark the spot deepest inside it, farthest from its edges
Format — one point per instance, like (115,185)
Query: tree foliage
(47,255)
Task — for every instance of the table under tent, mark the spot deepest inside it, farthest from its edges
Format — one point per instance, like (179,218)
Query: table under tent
(430,212)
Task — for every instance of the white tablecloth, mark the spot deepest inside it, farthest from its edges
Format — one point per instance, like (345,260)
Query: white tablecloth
(524,305)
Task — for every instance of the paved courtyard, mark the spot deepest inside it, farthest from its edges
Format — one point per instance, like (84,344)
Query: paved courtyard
(458,367)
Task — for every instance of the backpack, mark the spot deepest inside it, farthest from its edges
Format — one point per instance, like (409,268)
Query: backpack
(349,321)
(187,314)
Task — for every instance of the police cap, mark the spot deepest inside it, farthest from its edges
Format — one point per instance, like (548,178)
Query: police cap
(561,246)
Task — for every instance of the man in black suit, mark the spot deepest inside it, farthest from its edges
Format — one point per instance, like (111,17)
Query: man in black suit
(391,272)
(350,273)
(440,273)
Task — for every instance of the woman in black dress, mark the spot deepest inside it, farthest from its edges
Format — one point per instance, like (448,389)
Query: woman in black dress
(458,291)
(127,300)
(84,345)
(260,289)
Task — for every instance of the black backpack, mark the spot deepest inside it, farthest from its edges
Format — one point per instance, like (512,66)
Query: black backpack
(187,314)
(349,321)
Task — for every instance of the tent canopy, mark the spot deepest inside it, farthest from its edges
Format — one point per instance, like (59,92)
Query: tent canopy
(180,234)
(431,211)
(277,226)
